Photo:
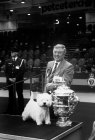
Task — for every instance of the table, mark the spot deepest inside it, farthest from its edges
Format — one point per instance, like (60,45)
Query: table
(13,127)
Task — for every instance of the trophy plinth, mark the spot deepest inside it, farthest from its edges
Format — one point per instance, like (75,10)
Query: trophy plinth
(63,121)
(64,103)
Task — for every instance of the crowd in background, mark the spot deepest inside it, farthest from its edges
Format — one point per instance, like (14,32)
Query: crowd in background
(36,48)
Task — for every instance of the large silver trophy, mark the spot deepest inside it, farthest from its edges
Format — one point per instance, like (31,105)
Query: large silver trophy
(64,103)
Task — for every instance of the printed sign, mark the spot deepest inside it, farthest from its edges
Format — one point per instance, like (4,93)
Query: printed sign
(66,6)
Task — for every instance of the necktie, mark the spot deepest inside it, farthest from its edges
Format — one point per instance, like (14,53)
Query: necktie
(54,68)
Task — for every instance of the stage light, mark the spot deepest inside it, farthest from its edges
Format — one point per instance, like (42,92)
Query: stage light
(77,24)
(67,22)
(23,1)
(11,10)
(80,17)
(28,14)
(39,6)
(57,21)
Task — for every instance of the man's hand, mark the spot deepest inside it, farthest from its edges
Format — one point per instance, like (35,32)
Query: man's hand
(51,87)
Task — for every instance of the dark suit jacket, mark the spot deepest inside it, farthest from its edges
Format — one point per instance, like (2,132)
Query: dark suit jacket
(65,70)
(15,69)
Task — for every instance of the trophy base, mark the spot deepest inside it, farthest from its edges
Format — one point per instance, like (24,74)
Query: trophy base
(63,122)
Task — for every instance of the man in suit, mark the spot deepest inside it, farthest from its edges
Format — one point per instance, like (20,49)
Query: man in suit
(14,72)
(63,69)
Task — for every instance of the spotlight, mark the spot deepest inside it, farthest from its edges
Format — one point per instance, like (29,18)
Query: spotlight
(39,6)
(28,14)
(23,1)
(77,24)
(57,21)
(80,17)
(11,10)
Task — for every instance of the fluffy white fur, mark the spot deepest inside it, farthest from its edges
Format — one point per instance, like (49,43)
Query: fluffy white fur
(38,111)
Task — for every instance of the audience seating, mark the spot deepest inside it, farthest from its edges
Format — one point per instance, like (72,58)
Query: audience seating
(36,49)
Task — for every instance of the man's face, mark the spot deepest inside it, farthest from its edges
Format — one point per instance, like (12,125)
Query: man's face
(58,54)
(13,54)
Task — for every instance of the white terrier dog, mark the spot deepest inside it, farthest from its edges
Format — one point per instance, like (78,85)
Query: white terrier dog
(38,111)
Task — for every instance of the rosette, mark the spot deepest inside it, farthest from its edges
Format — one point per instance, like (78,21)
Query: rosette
(48,71)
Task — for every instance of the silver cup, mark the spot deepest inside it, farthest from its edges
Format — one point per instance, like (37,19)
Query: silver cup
(63,106)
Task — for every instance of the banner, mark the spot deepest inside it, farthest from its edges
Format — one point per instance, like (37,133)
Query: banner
(66,6)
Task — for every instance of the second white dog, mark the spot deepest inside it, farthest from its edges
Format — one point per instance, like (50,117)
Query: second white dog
(38,111)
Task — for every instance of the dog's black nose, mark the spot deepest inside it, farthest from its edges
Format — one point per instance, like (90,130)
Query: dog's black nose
(44,103)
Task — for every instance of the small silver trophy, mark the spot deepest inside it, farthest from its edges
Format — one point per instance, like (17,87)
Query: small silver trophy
(64,103)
